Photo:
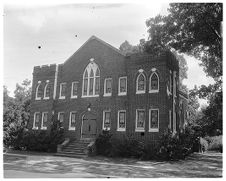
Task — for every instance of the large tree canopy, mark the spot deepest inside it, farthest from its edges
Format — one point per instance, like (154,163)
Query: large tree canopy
(192,28)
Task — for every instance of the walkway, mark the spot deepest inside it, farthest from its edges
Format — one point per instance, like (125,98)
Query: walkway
(49,166)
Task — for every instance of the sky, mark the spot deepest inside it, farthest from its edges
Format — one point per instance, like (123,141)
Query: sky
(60,29)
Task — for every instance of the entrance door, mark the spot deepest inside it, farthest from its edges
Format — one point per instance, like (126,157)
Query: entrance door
(89,128)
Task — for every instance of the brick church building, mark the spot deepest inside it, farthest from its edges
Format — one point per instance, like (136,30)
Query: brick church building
(99,88)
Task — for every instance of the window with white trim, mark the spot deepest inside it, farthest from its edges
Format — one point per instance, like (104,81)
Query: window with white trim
(121,120)
(106,120)
(37,116)
(74,90)
(72,120)
(38,92)
(140,120)
(122,87)
(154,83)
(44,120)
(108,87)
(91,81)
(140,84)
(62,90)
(47,90)
(153,120)
(61,117)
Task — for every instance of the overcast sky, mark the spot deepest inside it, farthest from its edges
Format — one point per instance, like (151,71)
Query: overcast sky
(54,28)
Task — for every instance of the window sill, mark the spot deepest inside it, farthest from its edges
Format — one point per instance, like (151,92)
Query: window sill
(62,97)
(90,96)
(140,92)
(121,130)
(106,129)
(107,95)
(153,130)
(122,94)
(74,97)
(139,130)
(35,128)
(72,129)
(46,98)
(154,91)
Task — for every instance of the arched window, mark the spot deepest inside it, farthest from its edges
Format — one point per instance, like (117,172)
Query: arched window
(47,90)
(91,80)
(38,93)
(154,83)
(140,84)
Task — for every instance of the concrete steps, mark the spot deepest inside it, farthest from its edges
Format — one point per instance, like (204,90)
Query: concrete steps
(76,148)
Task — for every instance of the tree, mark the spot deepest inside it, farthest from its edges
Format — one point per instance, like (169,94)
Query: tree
(16,113)
(128,49)
(192,28)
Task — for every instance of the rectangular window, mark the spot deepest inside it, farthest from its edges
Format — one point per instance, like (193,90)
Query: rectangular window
(122,86)
(61,116)
(44,120)
(140,119)
(153,120)
(72,120)
(108,87)
(122,120)
(36,122)
(74,90)
(62,90)
(106,120)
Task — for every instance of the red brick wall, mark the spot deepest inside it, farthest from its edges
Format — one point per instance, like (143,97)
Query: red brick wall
(111,64)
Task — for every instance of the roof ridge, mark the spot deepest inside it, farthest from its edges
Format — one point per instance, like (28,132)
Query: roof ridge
(98,39)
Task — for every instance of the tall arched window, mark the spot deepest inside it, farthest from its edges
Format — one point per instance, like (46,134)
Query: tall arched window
(38,93)
(47,90)
(91,80)
(154,83)
(140,84)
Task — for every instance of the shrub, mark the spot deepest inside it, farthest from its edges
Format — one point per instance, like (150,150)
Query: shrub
(203,144)
(174,146)
(37,140)
(103,145)
(107,145)
(169,146)
(215,143)
(126,147)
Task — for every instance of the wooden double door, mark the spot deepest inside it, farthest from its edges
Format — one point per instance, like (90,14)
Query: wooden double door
(89,125)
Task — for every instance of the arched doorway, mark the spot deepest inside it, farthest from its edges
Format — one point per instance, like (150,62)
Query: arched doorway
(89,126)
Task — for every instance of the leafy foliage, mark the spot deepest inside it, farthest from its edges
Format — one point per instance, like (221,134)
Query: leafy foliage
(16,113)
(215,143)
(103,145)
(107,145)
(129,49)
(169,146)
(192,28)
(45,141)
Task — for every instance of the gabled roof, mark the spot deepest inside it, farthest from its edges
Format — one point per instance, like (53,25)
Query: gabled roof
(99,40)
